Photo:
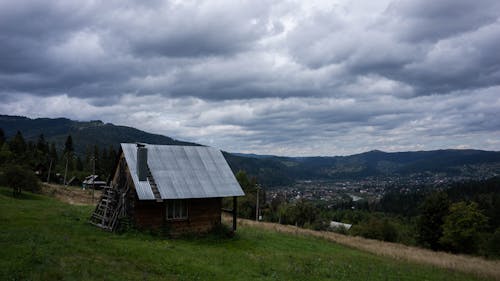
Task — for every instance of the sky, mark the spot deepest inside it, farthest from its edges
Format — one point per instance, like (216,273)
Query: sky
(295,78)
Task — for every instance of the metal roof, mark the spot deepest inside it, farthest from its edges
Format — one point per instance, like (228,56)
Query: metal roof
(182,172)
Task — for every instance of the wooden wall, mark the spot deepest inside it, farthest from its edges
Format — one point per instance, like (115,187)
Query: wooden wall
(204,214)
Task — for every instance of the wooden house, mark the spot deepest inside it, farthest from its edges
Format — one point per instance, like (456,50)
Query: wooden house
(179,188)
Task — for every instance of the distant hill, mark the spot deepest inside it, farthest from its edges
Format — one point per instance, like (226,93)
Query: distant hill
(450,162)
(270,170)
(83,133)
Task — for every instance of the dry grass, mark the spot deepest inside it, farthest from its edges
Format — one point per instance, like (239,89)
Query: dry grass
(70,194)
(467,264)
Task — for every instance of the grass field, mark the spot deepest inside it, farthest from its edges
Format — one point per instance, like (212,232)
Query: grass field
(44,239)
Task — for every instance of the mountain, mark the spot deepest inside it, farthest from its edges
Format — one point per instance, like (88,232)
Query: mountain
(83,133)
(270,170)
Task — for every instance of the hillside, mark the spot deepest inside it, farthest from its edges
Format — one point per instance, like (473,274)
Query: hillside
(271,170)
(44,239)
(84,133)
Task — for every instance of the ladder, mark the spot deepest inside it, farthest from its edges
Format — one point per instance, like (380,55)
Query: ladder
(105,209)
(110,208)
(153,185)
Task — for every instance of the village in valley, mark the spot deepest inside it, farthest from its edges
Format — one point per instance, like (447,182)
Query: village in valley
(372,189)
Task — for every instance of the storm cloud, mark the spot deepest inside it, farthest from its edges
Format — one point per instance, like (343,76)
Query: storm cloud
(278,77)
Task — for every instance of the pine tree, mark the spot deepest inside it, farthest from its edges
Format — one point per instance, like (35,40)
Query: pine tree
(17,144)
(53,154)
(104,161)
(68,152)
(5,154)
(79,164)
(68,145)
(112,158)
(2,137)
(42,144)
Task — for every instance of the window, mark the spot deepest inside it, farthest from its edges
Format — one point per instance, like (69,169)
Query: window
(177,209)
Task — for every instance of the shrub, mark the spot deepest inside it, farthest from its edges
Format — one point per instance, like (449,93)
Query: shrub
(492,248)
(377,229)
(221,231)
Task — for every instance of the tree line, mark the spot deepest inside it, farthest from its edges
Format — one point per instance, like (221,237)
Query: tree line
(44,160)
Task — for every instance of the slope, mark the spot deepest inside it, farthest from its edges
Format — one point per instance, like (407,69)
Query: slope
(43,239)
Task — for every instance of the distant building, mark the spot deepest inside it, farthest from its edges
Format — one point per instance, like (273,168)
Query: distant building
(179,188)
(92,182)
(337,225)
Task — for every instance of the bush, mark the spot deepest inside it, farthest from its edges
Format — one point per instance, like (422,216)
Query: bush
(221,231)
(341,230)
(19,178)
(490,244)
(377,229)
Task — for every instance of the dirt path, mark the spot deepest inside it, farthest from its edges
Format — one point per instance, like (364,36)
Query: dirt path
(468,264)
(71,194)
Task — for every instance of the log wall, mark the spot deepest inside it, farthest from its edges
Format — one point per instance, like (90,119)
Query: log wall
(203,215)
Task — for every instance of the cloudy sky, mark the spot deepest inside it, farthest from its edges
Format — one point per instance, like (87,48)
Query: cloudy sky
(269,77)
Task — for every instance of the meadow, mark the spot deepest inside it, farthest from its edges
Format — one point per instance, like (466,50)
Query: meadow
(42,238)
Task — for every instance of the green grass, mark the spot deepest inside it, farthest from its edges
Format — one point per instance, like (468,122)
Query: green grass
(44,239)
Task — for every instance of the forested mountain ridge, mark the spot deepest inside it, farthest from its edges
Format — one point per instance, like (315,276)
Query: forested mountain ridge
(84,133)
(449,162)
(269,170)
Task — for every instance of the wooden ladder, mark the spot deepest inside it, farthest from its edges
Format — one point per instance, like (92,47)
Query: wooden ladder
(105,209)
(154,187)
(110,208)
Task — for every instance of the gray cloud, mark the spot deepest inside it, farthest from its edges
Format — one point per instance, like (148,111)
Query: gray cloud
(270,77)
(436,20)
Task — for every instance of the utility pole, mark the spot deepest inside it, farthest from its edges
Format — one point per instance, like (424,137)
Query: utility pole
(50,168)
(93,179)
(66,170)
(257,205)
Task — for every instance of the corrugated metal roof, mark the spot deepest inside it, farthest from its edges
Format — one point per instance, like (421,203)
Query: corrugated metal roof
(182,172)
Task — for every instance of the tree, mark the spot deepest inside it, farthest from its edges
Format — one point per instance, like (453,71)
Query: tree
(53,153)
(2,137)
(42,145)
(305,212)
(112,157)
(104,163)
(19,178)
(17,144)
(79,164)
(68,152)
(492,247)
(462,227)
(247,204)
(5,154)
(243,180)
(68,145)
(430,222)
